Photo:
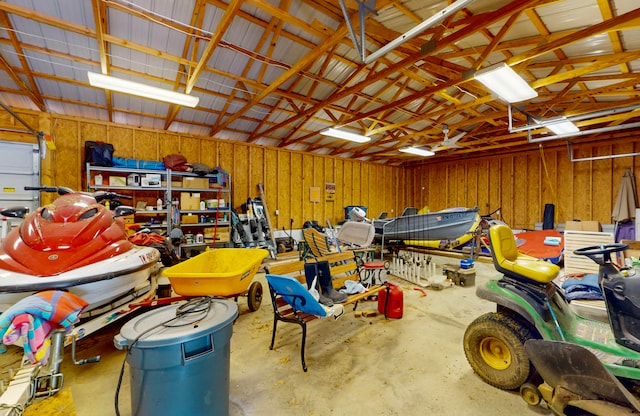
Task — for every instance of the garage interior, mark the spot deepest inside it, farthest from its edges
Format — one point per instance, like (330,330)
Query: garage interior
(270,78)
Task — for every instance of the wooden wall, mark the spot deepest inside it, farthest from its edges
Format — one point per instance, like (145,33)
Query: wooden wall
(520,184)
(286,176)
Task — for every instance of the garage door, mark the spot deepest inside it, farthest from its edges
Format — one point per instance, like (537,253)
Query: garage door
(19,167)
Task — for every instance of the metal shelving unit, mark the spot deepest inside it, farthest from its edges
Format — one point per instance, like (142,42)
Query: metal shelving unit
(170,194)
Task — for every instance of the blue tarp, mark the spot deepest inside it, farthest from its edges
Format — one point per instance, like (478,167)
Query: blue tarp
(121,162)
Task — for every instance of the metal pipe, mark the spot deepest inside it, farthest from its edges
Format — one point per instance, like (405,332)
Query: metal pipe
(356,45)
(361,10)
(604,113)
(585,159)
(55,360)
(585,132)
(17,117)
(412,33)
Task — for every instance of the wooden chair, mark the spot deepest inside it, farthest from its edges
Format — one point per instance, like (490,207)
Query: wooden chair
(317,243)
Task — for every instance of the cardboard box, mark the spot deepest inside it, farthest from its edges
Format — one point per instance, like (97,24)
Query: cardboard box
(632,252)
(583,226)
(189,201)
(222,234)
(189,219)
(152,180)
(117,181)
(195,183)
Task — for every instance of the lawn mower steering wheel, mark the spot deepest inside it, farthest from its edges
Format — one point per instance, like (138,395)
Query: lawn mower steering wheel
(601,254)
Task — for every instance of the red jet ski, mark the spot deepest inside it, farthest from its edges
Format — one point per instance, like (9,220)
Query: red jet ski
(76,244)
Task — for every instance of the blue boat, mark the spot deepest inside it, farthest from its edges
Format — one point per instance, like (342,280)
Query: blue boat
(441,225)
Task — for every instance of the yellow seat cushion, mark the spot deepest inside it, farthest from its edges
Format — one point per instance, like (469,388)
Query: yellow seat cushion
(506,256)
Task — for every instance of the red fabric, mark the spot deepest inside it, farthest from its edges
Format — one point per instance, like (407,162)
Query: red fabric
(532,244)
(146,239)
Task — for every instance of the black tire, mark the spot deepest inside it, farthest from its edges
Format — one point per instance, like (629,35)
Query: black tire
(254,296)
(494,347)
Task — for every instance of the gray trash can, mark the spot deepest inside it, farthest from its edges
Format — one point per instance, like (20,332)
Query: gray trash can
(179,364)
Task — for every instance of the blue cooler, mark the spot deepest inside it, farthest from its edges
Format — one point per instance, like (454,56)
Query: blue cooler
(181,367)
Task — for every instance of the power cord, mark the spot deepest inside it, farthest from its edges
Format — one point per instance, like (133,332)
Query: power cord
(199,306)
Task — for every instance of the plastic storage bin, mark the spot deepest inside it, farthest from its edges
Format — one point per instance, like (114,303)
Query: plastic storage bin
(179,358)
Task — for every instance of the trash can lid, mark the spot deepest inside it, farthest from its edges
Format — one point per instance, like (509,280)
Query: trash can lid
(179,323)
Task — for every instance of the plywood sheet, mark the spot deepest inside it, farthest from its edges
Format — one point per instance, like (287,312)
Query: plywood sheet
(340,185)
(69,155)
(209,153)
(533,210)
(122,140)
(190,148)
(308,209)
(240,178)
(146,143)
(270,184)
(297,195)
(168,144)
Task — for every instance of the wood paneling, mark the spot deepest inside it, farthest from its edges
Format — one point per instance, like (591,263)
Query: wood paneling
(298,193)
(520,184)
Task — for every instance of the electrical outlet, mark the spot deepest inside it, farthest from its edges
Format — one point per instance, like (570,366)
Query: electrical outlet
(277,212)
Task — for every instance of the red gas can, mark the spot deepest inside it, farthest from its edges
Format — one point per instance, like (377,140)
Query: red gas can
(391,300)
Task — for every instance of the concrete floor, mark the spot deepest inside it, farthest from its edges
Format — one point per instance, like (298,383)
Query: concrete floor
(357,366)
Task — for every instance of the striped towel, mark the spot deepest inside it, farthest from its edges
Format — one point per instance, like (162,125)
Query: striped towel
(33,333)
(46,311)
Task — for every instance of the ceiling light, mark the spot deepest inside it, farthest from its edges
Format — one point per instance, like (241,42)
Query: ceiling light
(505,83)
(339,134)
(417,151)
(560,125)
(142,90)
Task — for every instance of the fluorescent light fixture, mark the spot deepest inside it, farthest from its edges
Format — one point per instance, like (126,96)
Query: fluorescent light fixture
(560,125)
(142,90)
(505,83)
(417,151)
(339,134)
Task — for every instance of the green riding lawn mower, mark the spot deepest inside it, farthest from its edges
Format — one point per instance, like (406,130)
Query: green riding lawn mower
(581,358)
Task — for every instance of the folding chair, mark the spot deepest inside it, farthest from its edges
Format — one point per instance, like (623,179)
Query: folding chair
(358,236)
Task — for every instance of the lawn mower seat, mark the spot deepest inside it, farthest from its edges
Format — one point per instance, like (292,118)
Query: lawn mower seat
(509,261)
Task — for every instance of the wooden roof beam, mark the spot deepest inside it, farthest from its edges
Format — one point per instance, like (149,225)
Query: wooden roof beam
(222,27)
(32,89)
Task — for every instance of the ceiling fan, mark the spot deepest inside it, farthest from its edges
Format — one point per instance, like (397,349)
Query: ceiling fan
(448,143)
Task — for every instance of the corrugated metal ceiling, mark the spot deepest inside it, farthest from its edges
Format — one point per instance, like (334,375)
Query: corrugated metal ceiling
(277,73)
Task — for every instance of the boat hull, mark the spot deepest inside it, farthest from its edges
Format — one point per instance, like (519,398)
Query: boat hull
(434,226)
(97,284)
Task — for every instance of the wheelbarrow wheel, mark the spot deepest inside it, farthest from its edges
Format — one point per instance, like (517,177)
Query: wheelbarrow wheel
(254,296)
